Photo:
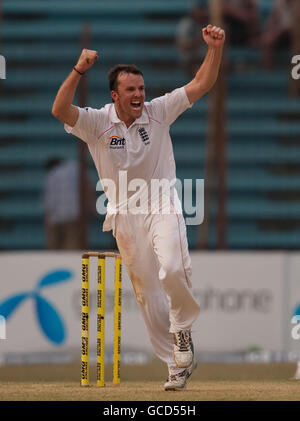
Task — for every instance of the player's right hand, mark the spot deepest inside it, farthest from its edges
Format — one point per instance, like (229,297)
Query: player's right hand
(86,60)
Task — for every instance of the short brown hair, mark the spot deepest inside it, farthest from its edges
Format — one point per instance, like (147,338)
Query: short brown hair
(120,68)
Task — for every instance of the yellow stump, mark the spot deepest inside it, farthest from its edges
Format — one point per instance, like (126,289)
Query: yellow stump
(101,322)
(117,321)
(85,323)
(100,318)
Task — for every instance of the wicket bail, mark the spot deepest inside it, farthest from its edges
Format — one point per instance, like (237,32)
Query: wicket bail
(100,318)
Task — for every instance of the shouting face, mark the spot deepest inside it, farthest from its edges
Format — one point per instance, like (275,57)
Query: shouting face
(129,97)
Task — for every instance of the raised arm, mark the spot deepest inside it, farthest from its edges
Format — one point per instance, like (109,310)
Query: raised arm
(62,107)
(207,74)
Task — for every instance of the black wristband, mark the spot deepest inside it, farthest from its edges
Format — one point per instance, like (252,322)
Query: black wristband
(81,74)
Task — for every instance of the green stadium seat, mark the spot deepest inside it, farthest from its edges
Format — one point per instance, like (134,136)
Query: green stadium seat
(41,41)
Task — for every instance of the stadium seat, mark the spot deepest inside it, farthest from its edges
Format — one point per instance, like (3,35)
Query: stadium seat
(41,41)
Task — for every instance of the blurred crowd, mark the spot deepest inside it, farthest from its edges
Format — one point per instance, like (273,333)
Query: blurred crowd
(61,198)
(244,27)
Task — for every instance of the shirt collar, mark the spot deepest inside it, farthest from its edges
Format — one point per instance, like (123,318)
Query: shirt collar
(143,119)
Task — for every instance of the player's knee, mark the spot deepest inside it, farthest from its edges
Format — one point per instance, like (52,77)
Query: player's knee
(172,268)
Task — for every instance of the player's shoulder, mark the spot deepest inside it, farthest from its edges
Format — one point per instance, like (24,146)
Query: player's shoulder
(95,115)
(155,104)
(102,110)
(156,108)
(153,108)
(158,101)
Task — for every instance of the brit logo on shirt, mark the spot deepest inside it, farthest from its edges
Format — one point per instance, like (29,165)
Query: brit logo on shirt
(144,135)
(115,142)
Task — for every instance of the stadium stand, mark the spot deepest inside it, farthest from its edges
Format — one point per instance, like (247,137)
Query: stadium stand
(41,40)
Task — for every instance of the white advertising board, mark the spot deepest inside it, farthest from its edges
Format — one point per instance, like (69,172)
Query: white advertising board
(240,294)
(292,288)
(40,296)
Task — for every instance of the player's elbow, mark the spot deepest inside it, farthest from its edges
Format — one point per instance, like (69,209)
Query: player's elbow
(207,85)
(195,91)
(55,112)
(59,114)
(67,115)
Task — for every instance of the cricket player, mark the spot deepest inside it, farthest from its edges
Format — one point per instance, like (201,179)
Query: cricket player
(130,144)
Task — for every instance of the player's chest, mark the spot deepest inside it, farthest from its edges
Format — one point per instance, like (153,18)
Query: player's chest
(120,142)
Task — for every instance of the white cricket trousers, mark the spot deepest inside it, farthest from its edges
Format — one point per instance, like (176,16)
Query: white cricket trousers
(155,252)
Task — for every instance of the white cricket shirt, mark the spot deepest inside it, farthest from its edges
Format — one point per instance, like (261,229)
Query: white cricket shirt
(142,151)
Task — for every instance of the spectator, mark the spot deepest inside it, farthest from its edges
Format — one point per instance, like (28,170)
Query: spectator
(61,204)
(277,32)
(189,40)
(241,19)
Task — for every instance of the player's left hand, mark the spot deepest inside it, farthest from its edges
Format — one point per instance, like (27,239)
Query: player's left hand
(213,36)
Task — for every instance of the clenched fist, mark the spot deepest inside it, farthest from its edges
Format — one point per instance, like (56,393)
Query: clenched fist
(213,36)
(86,60)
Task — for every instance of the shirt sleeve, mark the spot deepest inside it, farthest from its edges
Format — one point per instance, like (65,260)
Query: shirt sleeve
(168,108)
(88,125)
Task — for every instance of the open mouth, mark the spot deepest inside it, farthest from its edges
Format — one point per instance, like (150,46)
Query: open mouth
(136,105)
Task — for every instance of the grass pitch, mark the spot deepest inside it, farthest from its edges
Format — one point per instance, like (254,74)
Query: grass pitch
(152,391)
(210,382)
